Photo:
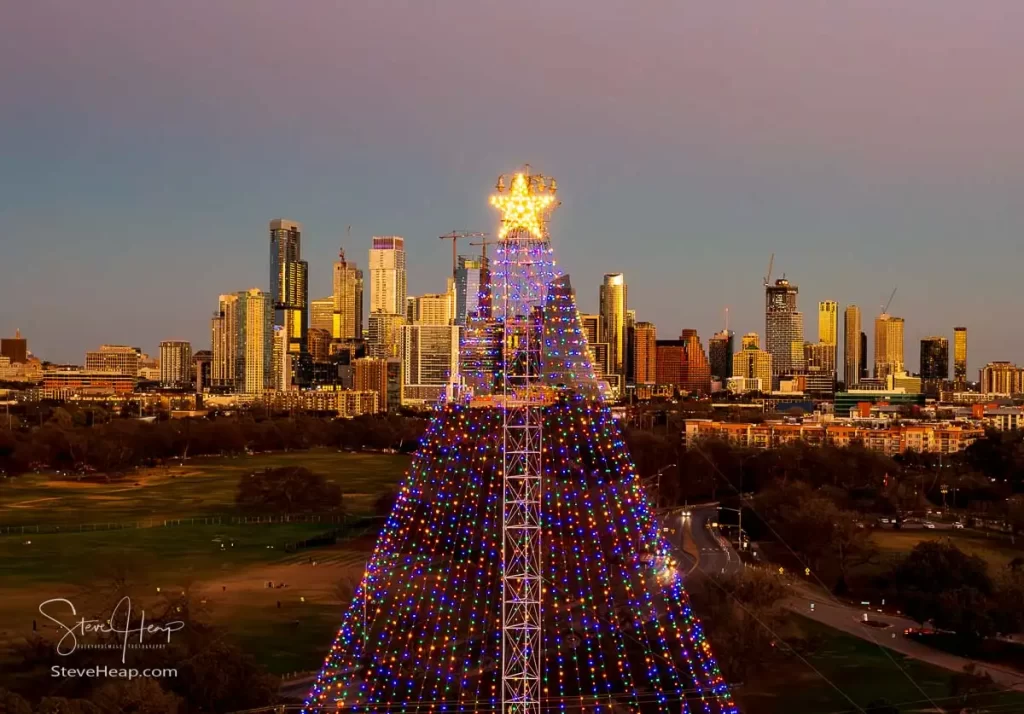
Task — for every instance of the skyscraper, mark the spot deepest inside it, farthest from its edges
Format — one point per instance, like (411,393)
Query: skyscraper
(888,345)
(225,329)
(960,358)
(934,358)
(697,371)
(289,291)
(321,314)
(784,329)
(348,300)
(255,341)
(863,355)
(387,275)
(828,322)
(613,321)
(851,346)
(753,363)
(175,364)
(468,287)
(630,367)
(750,341)
(645,352)
(720,349)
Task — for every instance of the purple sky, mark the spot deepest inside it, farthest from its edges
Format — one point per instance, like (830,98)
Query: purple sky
(868,144)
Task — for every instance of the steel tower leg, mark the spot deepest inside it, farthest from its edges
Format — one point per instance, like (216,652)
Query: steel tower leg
(522,432)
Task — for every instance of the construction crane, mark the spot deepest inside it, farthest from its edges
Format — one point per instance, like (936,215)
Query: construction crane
(768,275)
(885,309)
(454,237)
(485,278)
(483,246)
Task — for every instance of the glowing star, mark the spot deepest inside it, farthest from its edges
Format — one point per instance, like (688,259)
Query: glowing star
(526,204)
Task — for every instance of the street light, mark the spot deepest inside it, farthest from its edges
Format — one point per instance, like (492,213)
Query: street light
(656,480)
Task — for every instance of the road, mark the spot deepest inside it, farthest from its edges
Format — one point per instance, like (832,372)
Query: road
(710,552)
(849,619)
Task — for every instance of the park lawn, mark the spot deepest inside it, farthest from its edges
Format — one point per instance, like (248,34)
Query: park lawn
(861,670)
(196,488)
(996,552)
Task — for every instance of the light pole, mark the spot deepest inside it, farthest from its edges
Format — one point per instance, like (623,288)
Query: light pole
(655,479)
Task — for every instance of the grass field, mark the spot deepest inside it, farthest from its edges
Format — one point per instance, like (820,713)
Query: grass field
(997,552)
(197,488)
(859,669)
(225,567)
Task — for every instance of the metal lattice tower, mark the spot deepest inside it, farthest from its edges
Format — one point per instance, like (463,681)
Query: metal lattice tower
(525,265)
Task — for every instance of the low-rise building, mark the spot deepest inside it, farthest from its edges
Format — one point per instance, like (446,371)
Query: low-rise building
(937,438)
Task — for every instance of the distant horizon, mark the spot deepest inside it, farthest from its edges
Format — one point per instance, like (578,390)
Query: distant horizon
(865,145)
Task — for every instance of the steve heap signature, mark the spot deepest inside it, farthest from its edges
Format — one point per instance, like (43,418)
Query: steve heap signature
(120,623)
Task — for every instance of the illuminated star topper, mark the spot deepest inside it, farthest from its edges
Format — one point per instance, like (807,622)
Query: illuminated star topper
(526,204)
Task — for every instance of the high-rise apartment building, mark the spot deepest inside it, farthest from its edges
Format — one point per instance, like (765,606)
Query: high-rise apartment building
(888,345)
(645,352)
(851,346)
(384,335)
(935,358)
(784,329)
(255,341)
(120,359)
(347,321)
(431,309)
(371,375)
(225,329)
(820,368)
(289,291)
(430,362)
(469,272)
(720,349)
(175,364)
(960,358)
(387,275)
(14,348)
(1001,378)
(321,314)
(613,321)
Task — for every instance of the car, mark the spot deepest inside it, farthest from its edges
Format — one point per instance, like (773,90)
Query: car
(958,525)
(929,524)
(885,521)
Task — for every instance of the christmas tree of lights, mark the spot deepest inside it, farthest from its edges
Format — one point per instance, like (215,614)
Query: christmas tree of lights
(424,630)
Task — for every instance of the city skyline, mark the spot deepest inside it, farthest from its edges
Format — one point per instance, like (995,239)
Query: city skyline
(140,183)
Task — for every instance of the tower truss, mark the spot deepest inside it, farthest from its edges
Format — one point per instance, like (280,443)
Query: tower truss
(525,265)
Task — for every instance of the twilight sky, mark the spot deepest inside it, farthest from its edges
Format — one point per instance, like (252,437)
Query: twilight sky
(867,144)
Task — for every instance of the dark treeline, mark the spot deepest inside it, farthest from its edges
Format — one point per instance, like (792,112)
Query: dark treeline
(82,441)
(985,475)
